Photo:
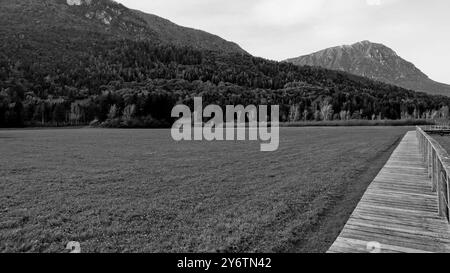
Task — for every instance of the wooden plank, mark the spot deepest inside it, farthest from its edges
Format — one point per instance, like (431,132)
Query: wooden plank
(399,210)
(362,246)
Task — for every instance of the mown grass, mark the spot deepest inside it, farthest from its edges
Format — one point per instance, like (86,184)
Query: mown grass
(138,191)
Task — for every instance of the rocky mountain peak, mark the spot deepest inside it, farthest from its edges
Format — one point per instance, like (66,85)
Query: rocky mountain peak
(375,61)
(78,2)
(90,2)
(104,11)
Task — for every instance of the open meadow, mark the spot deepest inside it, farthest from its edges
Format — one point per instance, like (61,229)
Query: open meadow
(139,191)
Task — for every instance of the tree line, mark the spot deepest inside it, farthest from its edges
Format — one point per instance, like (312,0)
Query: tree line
(136,84)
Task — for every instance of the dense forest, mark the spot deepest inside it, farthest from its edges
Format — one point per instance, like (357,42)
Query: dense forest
(136,84)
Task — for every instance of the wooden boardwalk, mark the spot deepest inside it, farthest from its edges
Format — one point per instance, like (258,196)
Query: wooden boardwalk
(399,211)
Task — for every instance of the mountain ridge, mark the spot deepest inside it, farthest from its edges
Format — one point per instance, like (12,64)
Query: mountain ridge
(375,61)
(104,18)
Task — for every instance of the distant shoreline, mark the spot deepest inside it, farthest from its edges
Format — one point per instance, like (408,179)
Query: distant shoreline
(358,123)
(337,123)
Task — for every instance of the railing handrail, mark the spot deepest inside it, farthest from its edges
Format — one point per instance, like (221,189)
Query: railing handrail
(435,127)
(438,165)
(442,154)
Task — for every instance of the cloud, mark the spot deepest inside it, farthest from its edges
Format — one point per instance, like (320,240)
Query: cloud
(286,12)
(374,2)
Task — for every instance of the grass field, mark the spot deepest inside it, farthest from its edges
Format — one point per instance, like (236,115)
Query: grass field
(138,191)
(444,141)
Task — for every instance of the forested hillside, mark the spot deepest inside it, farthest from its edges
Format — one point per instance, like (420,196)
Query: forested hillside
(136,83)
(66,65)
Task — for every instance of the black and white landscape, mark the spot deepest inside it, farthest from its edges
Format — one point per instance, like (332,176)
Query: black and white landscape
(374,61)
(88,162)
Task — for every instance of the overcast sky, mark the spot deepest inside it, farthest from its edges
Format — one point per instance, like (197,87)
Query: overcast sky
(418,30)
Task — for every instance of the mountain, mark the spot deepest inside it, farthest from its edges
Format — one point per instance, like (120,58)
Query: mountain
(374,61)
(73,62)
(55,23)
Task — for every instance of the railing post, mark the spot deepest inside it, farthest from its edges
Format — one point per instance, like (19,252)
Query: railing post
(448,198)
(440,188)
(435,172)
(430,161)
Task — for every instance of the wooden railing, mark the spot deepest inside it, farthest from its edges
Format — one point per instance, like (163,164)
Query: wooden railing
(437,130)
(436,127)
(437,160)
